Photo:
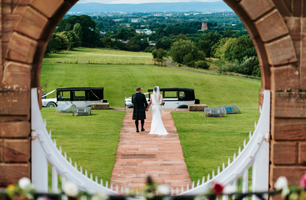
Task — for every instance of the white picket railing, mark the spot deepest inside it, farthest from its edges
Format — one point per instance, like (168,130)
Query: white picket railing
(254,153)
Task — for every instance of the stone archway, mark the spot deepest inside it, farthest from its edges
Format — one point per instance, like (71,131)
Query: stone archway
(277,28)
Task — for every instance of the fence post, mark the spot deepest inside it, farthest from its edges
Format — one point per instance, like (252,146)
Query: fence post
(260,175)
(39,161)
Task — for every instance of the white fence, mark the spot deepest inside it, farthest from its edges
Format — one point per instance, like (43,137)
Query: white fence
(254,153)
(45,151)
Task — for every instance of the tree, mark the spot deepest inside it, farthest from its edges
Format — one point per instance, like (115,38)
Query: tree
(154,53)
(187,59)
(52,45)
(202,55)
(161,53)
(77,28)
(229,33)
(207,41)
(225,52)
(119,45)
(88,38)
(137,44)
(202,64)
(61,41)
(240,48)
(108,43)
(131,46)
(216,49)
(181,48)
(73,39)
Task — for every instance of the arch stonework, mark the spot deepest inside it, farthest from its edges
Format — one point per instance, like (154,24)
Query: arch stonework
(278,30)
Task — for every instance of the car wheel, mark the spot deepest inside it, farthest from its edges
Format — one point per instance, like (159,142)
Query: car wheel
(51,104)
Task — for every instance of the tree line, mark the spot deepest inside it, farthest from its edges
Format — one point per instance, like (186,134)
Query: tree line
(74,31)
(184,46)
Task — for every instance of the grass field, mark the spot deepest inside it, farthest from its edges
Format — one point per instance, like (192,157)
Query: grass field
(206,142)
(90,141)
(99,56)
(213,69)
(120,81)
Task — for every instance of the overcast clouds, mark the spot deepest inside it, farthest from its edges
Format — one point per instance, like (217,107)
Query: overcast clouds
(141,1)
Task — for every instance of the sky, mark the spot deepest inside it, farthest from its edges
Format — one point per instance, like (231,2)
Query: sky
(141,1)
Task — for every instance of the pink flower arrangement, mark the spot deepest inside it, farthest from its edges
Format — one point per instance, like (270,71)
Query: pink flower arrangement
(303,182)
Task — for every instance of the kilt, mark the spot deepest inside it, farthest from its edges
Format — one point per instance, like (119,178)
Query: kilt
(140,103)
(139,113)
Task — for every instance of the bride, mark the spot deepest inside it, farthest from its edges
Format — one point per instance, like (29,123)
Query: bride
(157,126)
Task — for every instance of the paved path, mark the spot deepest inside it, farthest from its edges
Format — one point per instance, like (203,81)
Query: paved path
(168,166)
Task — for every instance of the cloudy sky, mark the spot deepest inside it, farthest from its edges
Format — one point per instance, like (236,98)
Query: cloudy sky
(140,1)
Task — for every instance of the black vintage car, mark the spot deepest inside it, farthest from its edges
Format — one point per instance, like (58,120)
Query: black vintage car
(173,98)
(79,96)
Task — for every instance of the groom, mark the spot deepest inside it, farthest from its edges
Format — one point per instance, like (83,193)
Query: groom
(140,104)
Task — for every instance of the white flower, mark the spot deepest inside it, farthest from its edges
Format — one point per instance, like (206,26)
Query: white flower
(281,183)
(100,196)
(70,189)
(163,190)
(229,189)
(24,183)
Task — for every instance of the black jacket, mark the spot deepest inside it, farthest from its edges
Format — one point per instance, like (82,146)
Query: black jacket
(140,104)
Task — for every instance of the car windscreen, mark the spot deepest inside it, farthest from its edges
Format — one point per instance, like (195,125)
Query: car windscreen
(170,94)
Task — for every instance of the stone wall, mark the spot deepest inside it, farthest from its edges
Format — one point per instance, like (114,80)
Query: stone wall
(26,26)
(276,26)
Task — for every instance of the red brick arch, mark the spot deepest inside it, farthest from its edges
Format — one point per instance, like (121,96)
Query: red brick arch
(276,27)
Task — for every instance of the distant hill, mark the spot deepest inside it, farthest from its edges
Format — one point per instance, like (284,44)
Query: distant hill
(153,7)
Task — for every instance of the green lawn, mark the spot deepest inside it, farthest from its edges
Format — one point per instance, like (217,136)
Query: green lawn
(91,141)
(99,56)
(120,81)
(215,64)
(208,142)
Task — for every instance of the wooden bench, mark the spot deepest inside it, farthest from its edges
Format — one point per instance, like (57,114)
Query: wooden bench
(100,106)
(196,107)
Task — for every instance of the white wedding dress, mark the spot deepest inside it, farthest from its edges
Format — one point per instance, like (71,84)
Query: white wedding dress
(157,126)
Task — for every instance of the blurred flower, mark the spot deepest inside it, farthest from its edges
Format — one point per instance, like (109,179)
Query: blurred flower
(217,188)
(281,183)
(294,196)
(303,182)
(11,187)
(24,183)
(163,190)
(10,190)
(99,196)
(127,191)
(70,189)
(229,189)
(285,192)
(46,198)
